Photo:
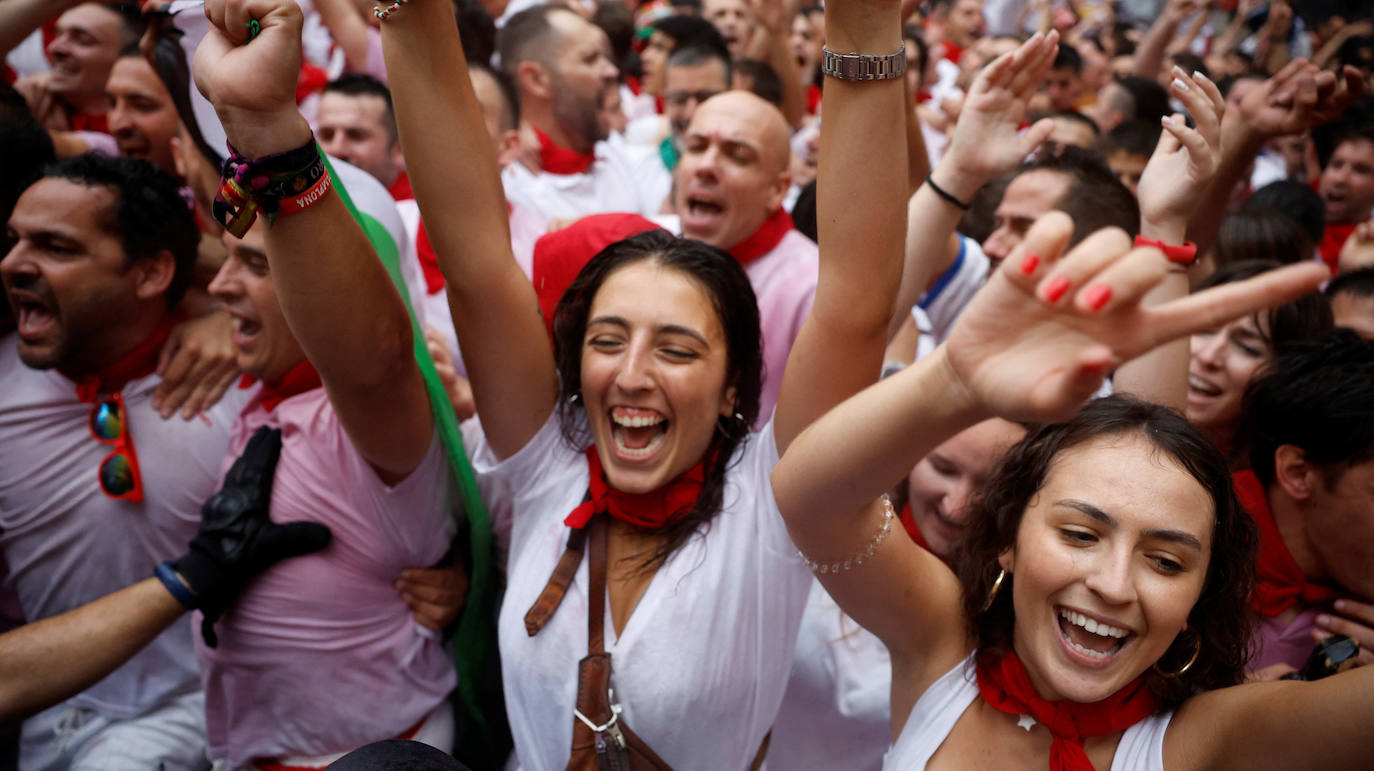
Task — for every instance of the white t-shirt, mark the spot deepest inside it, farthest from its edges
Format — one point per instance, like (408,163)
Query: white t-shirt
(701,667)
(624,178)
(836,713)
(67,544)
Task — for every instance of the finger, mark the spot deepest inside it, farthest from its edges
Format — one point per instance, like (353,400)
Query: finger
(1213,93)
(168,352)
(210,386)
(1033,137)
(214,391)
(426,616)
(292,539)
(1122,282)
(259,457)
(1167,143)
(180,360)
(1198,104)
(1199,151)
(1038,251)
(1218,305)
(1074,384)
(171,399)
(997,74)
(1035,59)
(1082,264)
(1359,611)
(432,594)
(441,577)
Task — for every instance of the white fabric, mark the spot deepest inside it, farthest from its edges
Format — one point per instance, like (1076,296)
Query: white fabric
(67,544)
(646,130)
(624,178)
(29,58)
(72,738)
(939,307)
(836,713)
(706,648)
(932,719)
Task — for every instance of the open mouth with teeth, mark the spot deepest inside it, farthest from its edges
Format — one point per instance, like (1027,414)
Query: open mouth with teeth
(1202,387)
(637,433)
(1089,637)
(700,206)
(245,330)
(32,316)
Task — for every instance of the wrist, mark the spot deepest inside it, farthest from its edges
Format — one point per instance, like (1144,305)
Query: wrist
(1169,230)
(956,180)
(961,404)
(258,134)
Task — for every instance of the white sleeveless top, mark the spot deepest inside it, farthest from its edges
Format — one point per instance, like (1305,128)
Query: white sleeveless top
(939,708)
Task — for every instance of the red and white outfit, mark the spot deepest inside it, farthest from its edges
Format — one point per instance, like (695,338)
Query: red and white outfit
(615,177)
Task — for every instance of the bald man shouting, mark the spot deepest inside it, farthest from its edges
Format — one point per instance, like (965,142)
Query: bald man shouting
(729,189)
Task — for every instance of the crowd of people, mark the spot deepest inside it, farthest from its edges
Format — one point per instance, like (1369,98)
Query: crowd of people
(883,383)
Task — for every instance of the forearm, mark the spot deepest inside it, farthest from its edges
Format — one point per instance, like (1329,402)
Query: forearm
(50,660)
(347,28)
(457,183)
(1149,55)
(793,91)
(19,18)
(1239,146)
(917,157)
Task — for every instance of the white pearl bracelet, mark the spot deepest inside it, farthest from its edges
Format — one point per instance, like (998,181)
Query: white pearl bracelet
(821,568)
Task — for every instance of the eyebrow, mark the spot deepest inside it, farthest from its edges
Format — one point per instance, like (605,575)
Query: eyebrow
(1173,536)
(662,329)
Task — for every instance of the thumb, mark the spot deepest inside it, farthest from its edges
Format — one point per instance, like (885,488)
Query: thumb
(1036,136)
(292,539)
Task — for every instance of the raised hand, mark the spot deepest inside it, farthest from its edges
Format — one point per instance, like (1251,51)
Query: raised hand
(1358,250)
(1185,158)
(252,83)
(986,141)
(1039,338)
(1298,97)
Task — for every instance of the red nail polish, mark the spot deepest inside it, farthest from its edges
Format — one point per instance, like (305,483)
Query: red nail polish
(1056,289)
(1097,296)
(1029,264)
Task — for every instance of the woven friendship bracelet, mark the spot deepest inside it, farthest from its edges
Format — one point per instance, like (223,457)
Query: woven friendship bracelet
(821,568)
(283,183)
(381,12)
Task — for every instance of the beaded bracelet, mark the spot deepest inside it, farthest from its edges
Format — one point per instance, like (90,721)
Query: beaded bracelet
(821,568)
(382,13)
(282,183)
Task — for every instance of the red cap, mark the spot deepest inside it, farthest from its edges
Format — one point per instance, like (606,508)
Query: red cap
(561,254)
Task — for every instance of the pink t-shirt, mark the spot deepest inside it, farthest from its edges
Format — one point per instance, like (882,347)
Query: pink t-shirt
(1279,642)
(784,282)
(320,654)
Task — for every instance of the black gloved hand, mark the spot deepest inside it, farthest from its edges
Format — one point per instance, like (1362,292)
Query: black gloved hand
(237,540)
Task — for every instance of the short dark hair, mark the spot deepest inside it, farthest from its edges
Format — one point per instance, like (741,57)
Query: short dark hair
(1191,62)
(1147,99)
(131,20)
(1295,199)
(476,30)
(149,215)
(25,147)
(1317,395)
(1095,198)
(510,98)
(615,19)
(1076,117)
(1137,137)
(1069,57)
(525,38)
(1356,283)
(694,54)
(362,84)
(690,30)
(763,79)
(1221,619)
(1306,318)
(732,297)
(1261,233)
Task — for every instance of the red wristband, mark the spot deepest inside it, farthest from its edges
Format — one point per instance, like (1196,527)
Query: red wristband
(1184,255)
(294,203)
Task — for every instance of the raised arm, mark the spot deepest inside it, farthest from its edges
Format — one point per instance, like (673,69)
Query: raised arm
(986,144)
(860,195)
(348,28)
(19,18)
(1033,344)
(334,291)
(457,184)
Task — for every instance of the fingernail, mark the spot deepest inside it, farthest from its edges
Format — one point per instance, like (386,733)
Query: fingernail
(1340,605)
(1097,296)
(1323,620)
(1029,264)
(1197,75)
(1167,120)
(1177,70)
(1056,289)
(1179,84)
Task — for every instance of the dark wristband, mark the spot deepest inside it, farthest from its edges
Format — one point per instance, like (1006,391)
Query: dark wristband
(945,194)
(179,590)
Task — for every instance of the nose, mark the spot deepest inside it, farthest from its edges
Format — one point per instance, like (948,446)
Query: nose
(635,372)
(953,503)
(119,118)
(1207,348)
(1110,578)
(225,285)
(1000,244)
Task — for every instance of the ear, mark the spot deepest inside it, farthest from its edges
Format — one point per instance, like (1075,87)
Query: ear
(152,275)
(777,192)
(534,80)
(1293,472)
(398,158)
(727,402)
(509,147)
(178,157)
(1007,559)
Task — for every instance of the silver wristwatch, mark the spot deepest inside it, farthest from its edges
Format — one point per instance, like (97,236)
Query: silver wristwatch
(863,66)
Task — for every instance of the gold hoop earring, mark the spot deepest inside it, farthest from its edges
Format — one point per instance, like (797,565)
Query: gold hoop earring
(996,587)
(1197,649)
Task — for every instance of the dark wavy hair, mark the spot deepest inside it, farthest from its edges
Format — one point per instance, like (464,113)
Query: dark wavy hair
(1221,620)
(732,297)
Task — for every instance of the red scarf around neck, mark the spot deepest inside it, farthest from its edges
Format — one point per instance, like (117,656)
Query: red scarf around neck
(297,380)
(560,160)
(1281,583)
(769,234)
(654,509)
(909,522)
(1005,685)
(137,363)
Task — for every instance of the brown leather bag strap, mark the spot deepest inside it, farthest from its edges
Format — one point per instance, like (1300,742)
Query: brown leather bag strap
(552,595)
(596,587)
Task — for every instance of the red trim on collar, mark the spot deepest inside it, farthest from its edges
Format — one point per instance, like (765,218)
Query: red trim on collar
(560,160)
(1281,583)
(763,240)
(137,363)
(299,379)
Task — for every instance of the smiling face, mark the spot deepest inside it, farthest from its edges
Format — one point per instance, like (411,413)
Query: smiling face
(87,42)
(941,483)
(142,117)
(1109,560)
(1223,362)
(733,171)
(267,349)
(1347,182)
(654,370)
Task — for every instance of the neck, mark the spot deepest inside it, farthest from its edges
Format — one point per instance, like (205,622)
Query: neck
(543,119)
(100,351)
(1289,518)
(86,104)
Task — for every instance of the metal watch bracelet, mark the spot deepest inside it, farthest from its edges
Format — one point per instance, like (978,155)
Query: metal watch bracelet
(863,66)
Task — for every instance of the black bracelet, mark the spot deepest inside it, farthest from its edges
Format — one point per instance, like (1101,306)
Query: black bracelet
(945,194)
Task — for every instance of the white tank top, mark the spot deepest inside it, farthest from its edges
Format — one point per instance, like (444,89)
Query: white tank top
(939,708)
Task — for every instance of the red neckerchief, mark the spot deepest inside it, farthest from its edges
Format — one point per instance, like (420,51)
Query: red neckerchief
(654,509)
(1280,584)
(909,522)
(763,240)
(400,188)
(97,121)
(813,98)
(140,362)
(1005,686)
(297,380)
(1333,238)
(561,160)
(310,80)
(950,51)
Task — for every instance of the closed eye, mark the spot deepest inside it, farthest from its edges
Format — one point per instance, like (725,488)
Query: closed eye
(1077,536)
(1167,565)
